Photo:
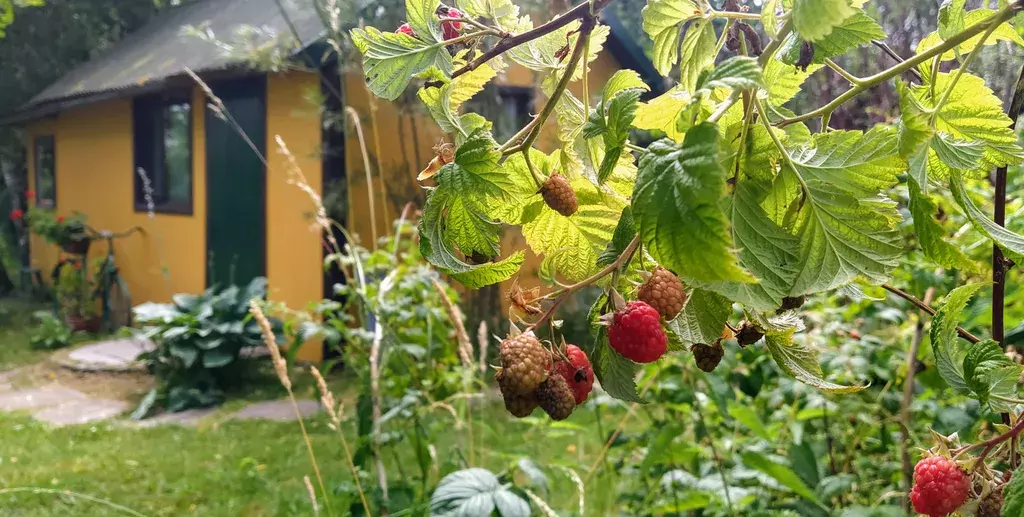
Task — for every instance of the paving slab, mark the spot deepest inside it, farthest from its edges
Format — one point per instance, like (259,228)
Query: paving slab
(81,412)
(189,417)
(116,355)
(45,396)
(280,410)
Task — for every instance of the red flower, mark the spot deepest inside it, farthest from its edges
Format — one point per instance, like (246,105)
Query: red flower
(77,265)
(30,193)
(17,214)
(60,218)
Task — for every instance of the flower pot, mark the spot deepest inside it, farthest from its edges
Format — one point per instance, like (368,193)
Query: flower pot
(79,323)
(77,246)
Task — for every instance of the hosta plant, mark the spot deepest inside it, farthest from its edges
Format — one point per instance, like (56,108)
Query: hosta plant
(747,202)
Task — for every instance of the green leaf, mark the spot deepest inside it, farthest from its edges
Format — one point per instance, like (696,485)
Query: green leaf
(703,318)
(422,17)
(785,80)
(736,73)
(1006,239)
(184,351)
(390,60)
(504,13)
(948,354)
(1013,495)
(951,18)
(856,30)
(801,362)
(1004,32)
(813,20)
(991,375)
(748,417)
(217,358)
(957,154)
(698,50)
(616,374)
(623,80)
(613,118)
(845,226)
(541,54)
(770,17)
(780,473)
(443,102)
(624,233)
(475,491)
(675,203)
(930,233)
(661,112)
(662,20)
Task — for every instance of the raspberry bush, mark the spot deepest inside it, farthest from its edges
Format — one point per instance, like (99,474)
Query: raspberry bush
(754,206)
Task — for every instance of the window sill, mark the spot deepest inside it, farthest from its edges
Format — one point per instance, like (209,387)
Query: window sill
(166,209)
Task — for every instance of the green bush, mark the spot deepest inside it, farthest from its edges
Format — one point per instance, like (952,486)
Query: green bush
(199,340)
(51,334)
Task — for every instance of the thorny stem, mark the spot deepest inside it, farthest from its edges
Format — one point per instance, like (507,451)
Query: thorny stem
(992,442)
(926,308)
(568,291)
(870,82)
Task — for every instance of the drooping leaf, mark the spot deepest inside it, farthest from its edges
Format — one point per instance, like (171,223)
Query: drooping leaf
(698,52)
(662,20)
(624,233)
(813,20)
(991,375)
(856,30)
(1004,32)
(390,60)
(443,102)
(801,362)
(781,473)
(930,234)
(504,13)
(703,318)
(784,80)
(675,204)
(542,54)
(661,112)
(748,417)
(475,491)
(1007,239)
(949,355)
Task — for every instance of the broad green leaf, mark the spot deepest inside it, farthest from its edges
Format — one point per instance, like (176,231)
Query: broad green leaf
(422,16)
(735,73)
(541,54)
(613,118)
(624,233)
(661,112)
(951,18)
(765,249)
(755,156)
(930,233)
(845,226)
(504,13)
(443,102)
(1006,239)
(915,130)
(770,17)
(972,113)
(1013,495)
(801,362)
(676,206)
(991,375)
(1004,32)
(616,374)
(623,80)
(856,30)
(703,318)
(780,473)
(748,417)
(662,20)
(698,52)
(949,355)
(475,491)
(813,20)
(785,80)
(960,155)
(390,60)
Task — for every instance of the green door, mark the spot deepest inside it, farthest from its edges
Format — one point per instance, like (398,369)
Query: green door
(236,198)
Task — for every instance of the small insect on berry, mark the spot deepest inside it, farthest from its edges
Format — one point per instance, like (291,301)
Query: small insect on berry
(405,28)
(577,372)
(450,28)
(636,333)
(663,291)
(940,487)
(707,357)
(559,195)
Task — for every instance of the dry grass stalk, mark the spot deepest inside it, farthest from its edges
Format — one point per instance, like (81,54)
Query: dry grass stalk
(298,179)
(378,339)
(312,495)
(465,345)
(354,115)
(482,342)
(281,369)
(327,399)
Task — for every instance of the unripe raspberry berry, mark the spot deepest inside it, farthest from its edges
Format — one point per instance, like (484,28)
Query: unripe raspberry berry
(559,195)
(520,406)
(663,291)
(636,333)
(577,372)
(451,28)
(992,504)
(748,334)
(555,397)
(405,28)
(524,363)
(940,487)
(707,357)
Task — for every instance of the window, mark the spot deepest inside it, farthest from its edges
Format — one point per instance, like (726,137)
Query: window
(508,107)
(46,172)
(163,151)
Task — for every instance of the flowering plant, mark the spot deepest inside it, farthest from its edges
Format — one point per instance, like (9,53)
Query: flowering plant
(55,229)
(75,288)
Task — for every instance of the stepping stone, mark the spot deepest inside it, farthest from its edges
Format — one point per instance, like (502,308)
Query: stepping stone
(46,396)
(188,417)
(89,410)
(280,410)
(117,355)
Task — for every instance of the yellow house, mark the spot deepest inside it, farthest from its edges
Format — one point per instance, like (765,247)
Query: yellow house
(130,139)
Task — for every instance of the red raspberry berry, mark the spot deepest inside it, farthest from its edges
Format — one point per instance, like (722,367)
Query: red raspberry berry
(405,28)
(577,372)
(449,28)
(940,487)
(636,333)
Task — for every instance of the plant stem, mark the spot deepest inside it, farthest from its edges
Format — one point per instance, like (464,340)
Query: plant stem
(735,15)
(842,71)
(926,308)
(999,263)
(963,67)
(896,57)
(773,45)
(908,397)
(568,291)
(870,82)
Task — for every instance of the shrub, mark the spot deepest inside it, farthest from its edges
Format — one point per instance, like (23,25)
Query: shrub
(51,334)
(199,340)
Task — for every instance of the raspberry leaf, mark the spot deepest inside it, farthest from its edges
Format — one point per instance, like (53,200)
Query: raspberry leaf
(930,232)
(859,29)
(476,491)
(949,355)
(422,17)
(675,203)
(1013,495)
(698,49)
(391,60)
(662,20)
(613,118)
(616,374)
(443,102)
(703,318)
(1006,239)
(781,473)
(625,230)
(991,376)
(815,19)
(1004,32)
(801,362)
(504,13)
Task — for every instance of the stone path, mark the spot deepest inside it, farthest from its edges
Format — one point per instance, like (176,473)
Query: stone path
(60,405)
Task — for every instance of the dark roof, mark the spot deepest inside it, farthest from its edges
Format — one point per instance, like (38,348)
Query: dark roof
(149,58)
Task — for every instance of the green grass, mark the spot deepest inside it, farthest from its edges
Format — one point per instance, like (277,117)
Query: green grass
(17,325)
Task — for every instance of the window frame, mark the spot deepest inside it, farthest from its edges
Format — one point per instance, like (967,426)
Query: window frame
(156,108)
(37,143)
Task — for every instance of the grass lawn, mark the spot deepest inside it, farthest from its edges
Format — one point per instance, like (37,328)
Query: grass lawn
(16,328)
